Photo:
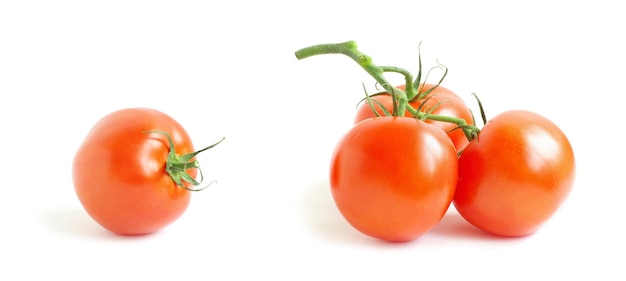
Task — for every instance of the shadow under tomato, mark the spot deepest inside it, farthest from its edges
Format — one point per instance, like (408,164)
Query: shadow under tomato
(453,225)
(324,219)
(75,222)
(70,221)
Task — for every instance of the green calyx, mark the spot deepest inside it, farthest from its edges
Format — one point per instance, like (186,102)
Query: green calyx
(401,98)
(177,165)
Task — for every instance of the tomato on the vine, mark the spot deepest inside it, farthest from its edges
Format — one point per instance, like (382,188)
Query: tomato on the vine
(440,101)
(515,175)
(393,178)
(134,171)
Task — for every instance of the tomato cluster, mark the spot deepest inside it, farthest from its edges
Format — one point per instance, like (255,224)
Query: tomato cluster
(414,151)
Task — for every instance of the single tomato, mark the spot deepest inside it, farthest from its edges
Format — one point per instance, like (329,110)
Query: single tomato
(515,175)
(441,101)
(120,171)
(393,178)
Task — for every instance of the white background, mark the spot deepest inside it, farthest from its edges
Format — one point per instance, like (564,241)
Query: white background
(227,69)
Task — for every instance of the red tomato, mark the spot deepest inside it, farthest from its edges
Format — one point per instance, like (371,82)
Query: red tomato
(450,105)
(393,178)
(515,175)
(119,172)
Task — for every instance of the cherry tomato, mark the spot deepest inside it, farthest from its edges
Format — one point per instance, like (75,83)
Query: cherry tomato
(393,178)
(119,171)
(515,175)
(450,104)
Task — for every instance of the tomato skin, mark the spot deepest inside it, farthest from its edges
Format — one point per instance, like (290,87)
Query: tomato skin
(516,175)
(451,105)
(393,178)
(119,172)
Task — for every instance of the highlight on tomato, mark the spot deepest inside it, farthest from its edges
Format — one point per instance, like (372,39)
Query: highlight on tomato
(135,170)
(515,175)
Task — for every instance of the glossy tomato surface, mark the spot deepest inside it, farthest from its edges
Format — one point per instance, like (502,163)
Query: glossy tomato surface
(516,175)
(450,104)
(119,172)
(393,178)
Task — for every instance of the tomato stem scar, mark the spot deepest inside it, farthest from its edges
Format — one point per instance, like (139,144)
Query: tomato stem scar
(177,165)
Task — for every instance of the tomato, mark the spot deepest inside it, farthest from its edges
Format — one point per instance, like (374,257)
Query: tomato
(515,175)
(450,104)
(393,178)
(119,171)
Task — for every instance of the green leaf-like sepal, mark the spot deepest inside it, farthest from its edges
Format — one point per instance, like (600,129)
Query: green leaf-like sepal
(177,165)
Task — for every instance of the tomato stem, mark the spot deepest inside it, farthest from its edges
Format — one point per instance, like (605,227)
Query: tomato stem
(400,97)
(470,131)
(177,165)
(349,48)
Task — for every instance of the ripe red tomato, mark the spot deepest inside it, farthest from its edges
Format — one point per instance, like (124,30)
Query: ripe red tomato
(515,175)
(393,178)
(119,172)
(450,105)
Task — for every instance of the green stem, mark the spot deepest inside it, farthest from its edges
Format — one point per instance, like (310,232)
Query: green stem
(349,48)
(470,131)
(409,89)
(177,165)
